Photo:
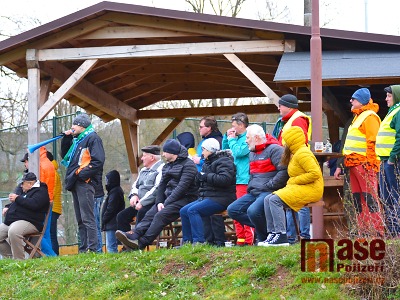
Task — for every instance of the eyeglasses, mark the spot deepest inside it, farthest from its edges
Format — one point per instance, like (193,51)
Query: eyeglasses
(239,119)
(201,127)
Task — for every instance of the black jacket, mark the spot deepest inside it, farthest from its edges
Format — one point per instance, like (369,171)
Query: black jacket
(114,202)
(91,173)
(178,181)
(217,180)
(31,206)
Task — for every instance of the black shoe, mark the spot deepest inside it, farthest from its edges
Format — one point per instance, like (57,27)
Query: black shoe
(269,238)
(280,239)
(126,240)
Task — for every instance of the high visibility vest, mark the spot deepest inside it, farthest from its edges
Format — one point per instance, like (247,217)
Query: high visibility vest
(290,121)
(386,136)
(356,141)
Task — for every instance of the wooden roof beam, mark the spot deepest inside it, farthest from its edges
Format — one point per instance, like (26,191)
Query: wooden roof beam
(213,111)
(91,94)
(166,50)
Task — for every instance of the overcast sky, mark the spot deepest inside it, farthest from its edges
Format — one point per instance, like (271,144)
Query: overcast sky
(342,14)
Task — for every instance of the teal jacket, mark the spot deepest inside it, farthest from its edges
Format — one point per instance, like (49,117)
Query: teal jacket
(240,153)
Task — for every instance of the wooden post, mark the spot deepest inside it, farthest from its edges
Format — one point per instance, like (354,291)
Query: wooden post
(33,107)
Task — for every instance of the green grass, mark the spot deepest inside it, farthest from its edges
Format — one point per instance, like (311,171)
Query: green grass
(200,272)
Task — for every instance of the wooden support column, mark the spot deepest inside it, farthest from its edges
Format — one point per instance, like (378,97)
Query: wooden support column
(33,107)
(241,66)
(130,132)
(167,131)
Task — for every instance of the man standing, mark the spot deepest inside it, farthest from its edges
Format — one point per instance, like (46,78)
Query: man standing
(176,189)
(388,150)
(84,160)
(144,190)
(25,215)
(291,116)
(235,140)
(214,227)
(266,176)
(360,158)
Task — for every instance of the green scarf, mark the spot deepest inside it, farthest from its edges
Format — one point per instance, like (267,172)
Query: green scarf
(75,142)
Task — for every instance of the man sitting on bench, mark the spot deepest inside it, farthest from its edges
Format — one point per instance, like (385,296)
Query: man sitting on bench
(176,189)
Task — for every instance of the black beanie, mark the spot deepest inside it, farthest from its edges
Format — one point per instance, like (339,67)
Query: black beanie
(172,146)
(289,100)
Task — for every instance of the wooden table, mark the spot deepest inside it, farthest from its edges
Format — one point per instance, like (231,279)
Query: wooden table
(328,220)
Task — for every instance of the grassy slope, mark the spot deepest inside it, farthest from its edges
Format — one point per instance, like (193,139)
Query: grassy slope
(200,272)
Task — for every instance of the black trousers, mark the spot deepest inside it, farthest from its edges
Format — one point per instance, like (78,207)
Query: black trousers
(124,217)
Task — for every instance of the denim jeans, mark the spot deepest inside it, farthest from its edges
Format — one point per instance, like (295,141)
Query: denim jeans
(249,210)
(302,217)
(389,193)
(275,213)
(192,222)
(53,232)
(111,241)
(97,212)
(45,245)
(83,195)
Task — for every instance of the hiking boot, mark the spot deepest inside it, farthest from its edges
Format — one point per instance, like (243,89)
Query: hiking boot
(279,239)
(127,239)
(269,238)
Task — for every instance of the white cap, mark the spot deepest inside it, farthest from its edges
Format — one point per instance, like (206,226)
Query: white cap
(211,145)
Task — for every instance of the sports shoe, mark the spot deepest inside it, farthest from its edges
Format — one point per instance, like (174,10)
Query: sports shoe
(280,239)
(269,238)
(127,239)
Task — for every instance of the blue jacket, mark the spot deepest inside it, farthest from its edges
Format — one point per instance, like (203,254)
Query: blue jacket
(240,153)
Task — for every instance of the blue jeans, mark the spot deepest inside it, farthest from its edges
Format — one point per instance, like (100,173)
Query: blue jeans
(45,245)
(97,211)
(111,241)
(192,222)
(53,232)
(390,194)
(249,210)
(302,217)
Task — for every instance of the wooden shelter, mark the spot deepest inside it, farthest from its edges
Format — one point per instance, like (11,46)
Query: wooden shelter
(114,60)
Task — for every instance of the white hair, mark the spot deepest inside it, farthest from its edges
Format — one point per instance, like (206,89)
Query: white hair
(256,130)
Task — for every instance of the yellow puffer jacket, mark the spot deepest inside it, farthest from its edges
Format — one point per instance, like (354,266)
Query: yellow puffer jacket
(306,183)
(57,203)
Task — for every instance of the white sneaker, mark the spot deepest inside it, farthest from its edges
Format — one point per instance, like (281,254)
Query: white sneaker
(265,243)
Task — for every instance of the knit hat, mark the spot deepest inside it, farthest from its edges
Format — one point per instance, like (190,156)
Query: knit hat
(25,158)
(172,146)
(289,100)
(29,177)
(362,95)
(211,145)
(82,120)
(152,149)
(388,89)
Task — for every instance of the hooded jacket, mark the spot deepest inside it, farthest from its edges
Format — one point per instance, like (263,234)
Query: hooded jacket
(178,181)
(47,172)
(394,126)
(31,206)
(266,173)
(305,184)
(369,128)
(217,180)
(114,202)
(213,134)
